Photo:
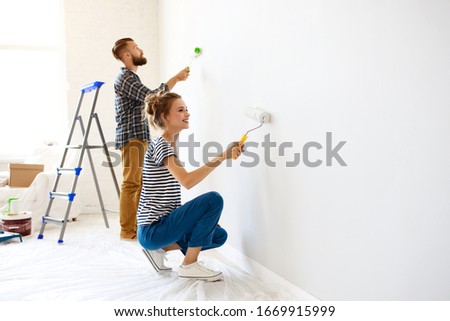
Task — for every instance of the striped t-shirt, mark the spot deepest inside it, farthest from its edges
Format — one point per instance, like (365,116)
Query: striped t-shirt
(161,192)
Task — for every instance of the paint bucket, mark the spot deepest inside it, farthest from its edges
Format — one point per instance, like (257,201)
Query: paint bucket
(17,223)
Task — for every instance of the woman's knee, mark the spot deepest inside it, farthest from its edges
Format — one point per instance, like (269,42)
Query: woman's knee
(215,199)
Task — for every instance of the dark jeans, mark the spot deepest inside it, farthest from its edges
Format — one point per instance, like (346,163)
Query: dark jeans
(193,224)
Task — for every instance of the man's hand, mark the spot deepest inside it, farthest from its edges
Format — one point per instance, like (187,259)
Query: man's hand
(181,76)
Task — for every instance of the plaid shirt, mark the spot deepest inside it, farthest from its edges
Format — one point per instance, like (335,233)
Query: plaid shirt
(129,101)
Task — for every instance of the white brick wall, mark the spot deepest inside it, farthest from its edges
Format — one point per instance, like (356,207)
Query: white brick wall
(91,28)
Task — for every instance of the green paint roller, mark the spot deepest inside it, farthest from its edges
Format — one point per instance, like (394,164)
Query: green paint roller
(197,52)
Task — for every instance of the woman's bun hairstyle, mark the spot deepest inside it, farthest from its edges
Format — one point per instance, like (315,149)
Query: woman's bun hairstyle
(157,105)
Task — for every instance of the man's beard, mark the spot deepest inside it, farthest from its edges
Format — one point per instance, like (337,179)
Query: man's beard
(139,61)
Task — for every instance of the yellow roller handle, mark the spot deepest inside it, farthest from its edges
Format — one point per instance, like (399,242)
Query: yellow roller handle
(242,140)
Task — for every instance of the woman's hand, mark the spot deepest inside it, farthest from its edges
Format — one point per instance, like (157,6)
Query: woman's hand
(234,150)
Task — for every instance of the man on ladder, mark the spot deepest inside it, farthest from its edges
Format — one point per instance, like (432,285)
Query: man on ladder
(132,130)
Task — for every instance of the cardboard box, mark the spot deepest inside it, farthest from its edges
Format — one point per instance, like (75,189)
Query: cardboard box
(22,175)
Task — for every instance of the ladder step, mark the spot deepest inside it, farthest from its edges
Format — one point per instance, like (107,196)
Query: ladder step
(74,146)
(68,196)
(76,170)
(88,146)
(93,85)
(55,220)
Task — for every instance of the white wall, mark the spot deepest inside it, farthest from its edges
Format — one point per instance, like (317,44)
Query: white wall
(92,27)
(373,73)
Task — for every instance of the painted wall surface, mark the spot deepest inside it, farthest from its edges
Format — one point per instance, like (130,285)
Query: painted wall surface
(373,74)
(92,27)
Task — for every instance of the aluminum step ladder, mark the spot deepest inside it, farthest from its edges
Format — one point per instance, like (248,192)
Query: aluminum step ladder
(76,171)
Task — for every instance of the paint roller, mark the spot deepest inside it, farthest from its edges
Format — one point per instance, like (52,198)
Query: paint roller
(256,114)
(197,52)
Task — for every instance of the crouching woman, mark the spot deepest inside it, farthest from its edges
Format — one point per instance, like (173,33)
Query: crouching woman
(164,224)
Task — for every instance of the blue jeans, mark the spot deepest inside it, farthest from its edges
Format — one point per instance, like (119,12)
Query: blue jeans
(193,224)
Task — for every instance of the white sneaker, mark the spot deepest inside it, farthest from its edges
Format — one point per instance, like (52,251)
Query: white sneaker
(157,260)
(200,272)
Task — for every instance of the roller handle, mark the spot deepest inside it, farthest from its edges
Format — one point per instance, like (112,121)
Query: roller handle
(242,141)
(197,52)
